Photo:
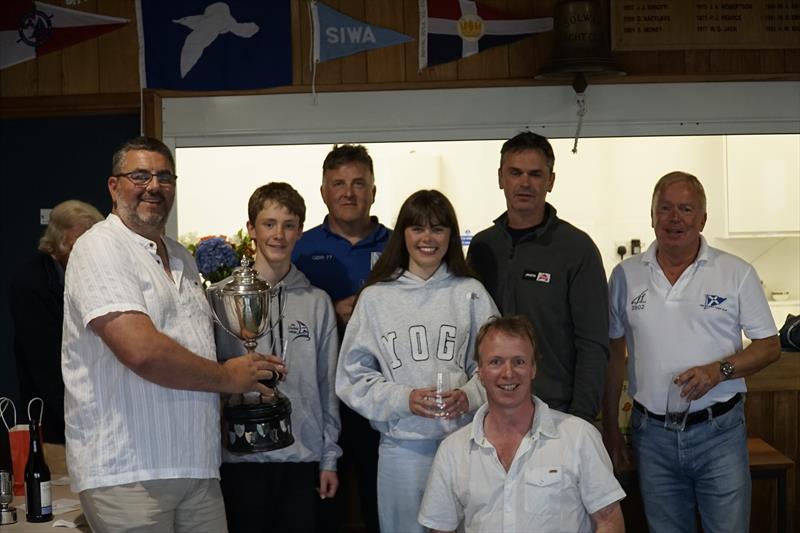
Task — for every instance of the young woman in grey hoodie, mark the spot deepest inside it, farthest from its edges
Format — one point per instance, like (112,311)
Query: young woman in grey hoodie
(415,320)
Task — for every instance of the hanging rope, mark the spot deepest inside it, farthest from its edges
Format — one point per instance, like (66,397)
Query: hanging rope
(581,112)
(312,63)
(579,85)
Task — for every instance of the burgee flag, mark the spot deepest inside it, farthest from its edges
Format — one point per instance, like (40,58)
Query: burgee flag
(210,45)
(452,29)
(337,35)
(30,29)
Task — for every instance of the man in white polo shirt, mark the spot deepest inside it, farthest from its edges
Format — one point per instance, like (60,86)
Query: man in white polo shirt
(680,308)
(520,466)
(139,363)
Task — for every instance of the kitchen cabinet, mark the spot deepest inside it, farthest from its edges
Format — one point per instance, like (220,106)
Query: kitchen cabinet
(762,185)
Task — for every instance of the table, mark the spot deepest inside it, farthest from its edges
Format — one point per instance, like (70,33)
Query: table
(22,525)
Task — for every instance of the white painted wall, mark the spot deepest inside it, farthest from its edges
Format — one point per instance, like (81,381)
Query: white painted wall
(605,189)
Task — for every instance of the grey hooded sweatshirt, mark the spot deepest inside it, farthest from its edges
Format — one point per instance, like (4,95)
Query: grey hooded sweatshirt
(401,333)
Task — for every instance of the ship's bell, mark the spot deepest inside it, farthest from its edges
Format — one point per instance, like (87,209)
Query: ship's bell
(582,44)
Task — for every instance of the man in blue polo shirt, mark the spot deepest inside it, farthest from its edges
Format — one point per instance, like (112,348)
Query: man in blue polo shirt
(337,257)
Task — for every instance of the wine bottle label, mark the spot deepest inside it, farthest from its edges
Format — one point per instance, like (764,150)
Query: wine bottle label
(47,505)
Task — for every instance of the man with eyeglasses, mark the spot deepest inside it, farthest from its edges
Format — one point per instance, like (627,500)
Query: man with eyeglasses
(139,363)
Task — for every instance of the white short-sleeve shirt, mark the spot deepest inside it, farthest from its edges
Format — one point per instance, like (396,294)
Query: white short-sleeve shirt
(121,428)
(671,328)
(560,475)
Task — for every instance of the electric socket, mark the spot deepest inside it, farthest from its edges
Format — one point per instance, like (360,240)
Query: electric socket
(619,246)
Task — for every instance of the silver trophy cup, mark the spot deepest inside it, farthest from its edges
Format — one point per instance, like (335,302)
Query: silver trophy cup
(242,308)
(8,514)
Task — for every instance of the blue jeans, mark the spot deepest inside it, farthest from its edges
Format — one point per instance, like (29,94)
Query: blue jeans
(403,468)
(704,468)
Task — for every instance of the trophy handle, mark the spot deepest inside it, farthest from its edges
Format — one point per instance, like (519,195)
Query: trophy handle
(277,292)
(211,295)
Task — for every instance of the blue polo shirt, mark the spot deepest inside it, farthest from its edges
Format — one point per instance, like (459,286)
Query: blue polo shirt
(333,264)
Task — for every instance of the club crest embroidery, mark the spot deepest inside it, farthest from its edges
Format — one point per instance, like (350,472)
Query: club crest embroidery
(299,330)
(638,303)
(713,301)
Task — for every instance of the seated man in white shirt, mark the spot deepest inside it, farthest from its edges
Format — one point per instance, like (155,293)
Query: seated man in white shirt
(520,466)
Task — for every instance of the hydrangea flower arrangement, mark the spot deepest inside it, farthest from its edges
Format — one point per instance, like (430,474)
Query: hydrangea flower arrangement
(217,255)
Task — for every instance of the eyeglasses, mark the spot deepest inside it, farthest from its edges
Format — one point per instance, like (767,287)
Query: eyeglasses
(141,178)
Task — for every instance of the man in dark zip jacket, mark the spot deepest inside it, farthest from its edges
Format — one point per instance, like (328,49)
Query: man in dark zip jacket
(537,265)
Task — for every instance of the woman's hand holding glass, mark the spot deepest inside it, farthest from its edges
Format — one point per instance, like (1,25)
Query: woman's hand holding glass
(429,403)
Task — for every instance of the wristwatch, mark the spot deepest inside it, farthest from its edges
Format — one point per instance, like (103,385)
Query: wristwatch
(727,369)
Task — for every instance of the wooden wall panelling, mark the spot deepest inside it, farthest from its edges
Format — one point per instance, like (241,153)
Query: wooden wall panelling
(792,60)
(489,65)
(118,51)
(543,43)
(697,61)
(758,409)
(19,80)
(758,412)
(297,58)
(304,50)
(444,72)
(81,68)
(794,518)
(81,61)
(745,61)
(771,61)
(763,507)
(637,63)
(152,121)
(671,62)
(720,61)
(109,65)
(786,413)
(526,57)
(522,59)
(354,67)
(70,105)
(388,64)
(50,74)
(773,414)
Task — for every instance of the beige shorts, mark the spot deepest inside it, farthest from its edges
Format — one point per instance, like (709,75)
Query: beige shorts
(163,505)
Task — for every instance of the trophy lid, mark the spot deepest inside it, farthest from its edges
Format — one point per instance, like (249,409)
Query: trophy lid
(245,280)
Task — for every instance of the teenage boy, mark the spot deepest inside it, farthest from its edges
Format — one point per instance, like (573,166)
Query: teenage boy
(280,490)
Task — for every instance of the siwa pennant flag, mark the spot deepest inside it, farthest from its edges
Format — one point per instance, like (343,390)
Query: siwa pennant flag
(453,29)
(208,45)
(31,29)
(337,35)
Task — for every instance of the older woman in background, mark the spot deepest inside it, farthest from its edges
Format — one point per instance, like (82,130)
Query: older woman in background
(36,301)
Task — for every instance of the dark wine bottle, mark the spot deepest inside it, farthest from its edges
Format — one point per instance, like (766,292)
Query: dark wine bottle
(38,502)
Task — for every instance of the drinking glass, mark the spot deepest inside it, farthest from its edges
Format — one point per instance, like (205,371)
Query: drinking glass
(677,407)
(442,386)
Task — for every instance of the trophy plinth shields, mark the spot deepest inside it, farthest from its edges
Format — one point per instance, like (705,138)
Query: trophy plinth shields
(242,308)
